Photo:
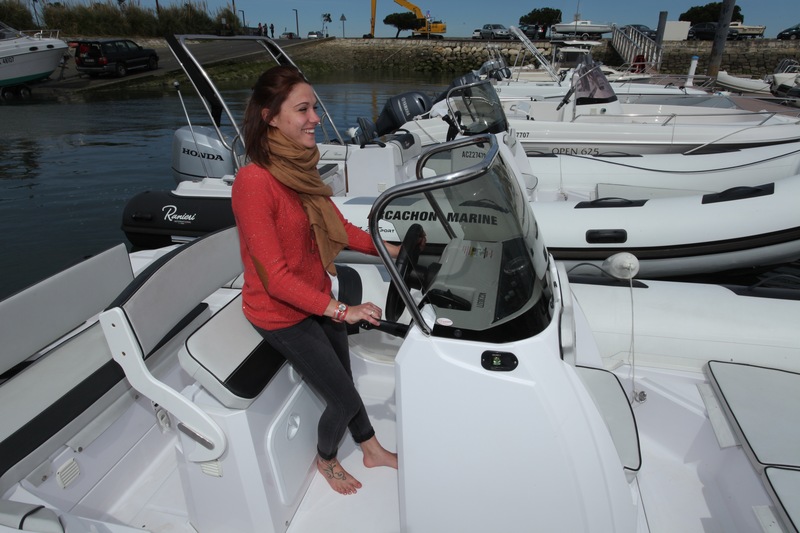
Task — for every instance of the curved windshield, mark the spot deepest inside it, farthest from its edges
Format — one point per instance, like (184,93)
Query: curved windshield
(476,109)
(482,272)
(590,84)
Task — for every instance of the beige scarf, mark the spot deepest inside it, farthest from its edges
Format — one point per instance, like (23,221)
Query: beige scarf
(296,167)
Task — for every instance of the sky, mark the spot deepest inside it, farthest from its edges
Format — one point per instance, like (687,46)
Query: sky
(463,16)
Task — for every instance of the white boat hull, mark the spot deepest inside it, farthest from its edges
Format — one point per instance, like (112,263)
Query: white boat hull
(580,27)
(541,88)
(705,237)
(649,175)
(744,85)
(28,59)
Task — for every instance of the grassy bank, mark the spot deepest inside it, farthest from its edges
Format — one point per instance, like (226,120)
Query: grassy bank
(118,18)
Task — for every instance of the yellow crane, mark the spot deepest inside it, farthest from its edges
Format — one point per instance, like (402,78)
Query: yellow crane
(426,28)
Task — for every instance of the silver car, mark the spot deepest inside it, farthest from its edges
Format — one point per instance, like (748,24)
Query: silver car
(495,31)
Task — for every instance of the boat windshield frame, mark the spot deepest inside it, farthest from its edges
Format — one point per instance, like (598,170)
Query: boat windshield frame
(532,49)
(475,108)
(210,95)
(483,273)
(590,85)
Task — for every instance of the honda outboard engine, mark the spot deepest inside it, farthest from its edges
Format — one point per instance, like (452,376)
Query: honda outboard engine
(198,153)
(400,109)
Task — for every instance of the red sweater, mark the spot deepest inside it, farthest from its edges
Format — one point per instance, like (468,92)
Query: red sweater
(274,229)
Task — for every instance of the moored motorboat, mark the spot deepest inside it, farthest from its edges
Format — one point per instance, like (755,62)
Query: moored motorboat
(590,120)
(584,29)
(535,77)
(584,194)
(786,78)
(743,85)
(27,58)
(186,422)
(776,83)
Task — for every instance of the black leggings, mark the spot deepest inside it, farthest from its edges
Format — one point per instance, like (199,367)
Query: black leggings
(317,349)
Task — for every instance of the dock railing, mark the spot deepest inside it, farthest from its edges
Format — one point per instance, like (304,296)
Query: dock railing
(638,51)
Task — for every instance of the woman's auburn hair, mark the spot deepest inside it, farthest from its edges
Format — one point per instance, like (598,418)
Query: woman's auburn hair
(269,92)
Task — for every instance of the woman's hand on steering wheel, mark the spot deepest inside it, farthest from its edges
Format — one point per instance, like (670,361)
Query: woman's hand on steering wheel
(366,312)
(393,249)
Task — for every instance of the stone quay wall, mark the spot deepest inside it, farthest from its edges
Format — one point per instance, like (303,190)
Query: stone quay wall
(751,57)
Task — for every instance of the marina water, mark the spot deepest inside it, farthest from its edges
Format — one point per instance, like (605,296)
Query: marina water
(68,168)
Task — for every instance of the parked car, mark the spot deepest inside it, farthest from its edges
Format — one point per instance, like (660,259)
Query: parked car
(705,31)
(314,35)
(112,56)
(531,31)
(790,33)
(289,35)
(476,34)
(495,31)
(647,31)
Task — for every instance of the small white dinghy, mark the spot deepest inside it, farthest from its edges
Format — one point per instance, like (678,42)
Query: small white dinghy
(168,414)
(743,85)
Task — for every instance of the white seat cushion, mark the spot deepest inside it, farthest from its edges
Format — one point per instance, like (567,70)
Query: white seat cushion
(228,357)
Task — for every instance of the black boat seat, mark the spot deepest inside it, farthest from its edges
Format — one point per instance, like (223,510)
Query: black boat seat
(232,361)
(760,404)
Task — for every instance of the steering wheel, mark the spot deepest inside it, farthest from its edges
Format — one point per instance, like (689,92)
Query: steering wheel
(406,264)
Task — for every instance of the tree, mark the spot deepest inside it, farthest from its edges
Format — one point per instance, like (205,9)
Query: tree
(709,13)
(402,21)
(546,16)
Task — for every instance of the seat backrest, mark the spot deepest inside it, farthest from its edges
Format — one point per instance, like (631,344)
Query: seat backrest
(158,310)
(170,288)
(63,375)
(36,317)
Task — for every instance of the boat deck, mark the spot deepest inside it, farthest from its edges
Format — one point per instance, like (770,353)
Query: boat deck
(766,426)
(687,483)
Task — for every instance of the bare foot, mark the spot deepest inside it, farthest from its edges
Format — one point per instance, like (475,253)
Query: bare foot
(377,455)
(337,477)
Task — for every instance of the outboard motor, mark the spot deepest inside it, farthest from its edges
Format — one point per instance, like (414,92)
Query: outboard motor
(198,153)
(400,109)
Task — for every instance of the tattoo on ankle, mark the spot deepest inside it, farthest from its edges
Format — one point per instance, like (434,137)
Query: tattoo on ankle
(328,469)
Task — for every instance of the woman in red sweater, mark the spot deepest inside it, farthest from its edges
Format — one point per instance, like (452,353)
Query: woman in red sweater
(290,232)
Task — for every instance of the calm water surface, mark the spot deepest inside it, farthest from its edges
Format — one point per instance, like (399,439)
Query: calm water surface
(67,169)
